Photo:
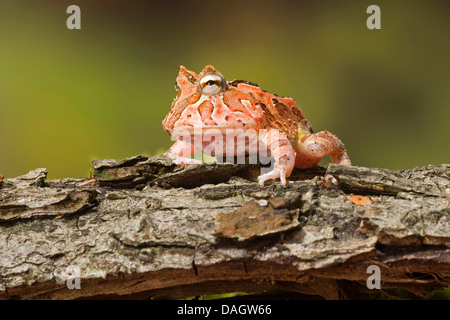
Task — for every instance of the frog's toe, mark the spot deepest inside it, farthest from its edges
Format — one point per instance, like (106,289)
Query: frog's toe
(341,158)
(274,174)
(346,162)
(182,161)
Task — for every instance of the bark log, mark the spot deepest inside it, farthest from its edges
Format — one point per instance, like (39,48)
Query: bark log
(146,228)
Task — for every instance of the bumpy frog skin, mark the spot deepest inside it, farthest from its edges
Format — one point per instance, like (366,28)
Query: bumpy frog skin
(208,103)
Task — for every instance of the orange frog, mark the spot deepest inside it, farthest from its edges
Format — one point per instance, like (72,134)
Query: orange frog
(208,103)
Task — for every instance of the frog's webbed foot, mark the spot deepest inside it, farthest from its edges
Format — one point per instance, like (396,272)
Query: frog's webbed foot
(283,153)
(180,151)
(314,147)
(183,160)
(277,172)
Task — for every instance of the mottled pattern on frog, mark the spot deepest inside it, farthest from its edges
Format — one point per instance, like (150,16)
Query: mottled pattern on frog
(208,101)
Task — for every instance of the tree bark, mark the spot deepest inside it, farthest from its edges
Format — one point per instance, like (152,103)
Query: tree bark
(145,228)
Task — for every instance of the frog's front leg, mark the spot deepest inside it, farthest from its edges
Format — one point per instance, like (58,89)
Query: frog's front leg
(180,151)
(283,153)
(311,148)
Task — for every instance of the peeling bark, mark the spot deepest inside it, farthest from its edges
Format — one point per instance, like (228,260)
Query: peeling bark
(148,228)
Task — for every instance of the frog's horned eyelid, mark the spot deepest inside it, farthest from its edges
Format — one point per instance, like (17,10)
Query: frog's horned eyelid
(186,77)
(209,69)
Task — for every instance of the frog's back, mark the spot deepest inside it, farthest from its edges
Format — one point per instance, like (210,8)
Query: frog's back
(281,113)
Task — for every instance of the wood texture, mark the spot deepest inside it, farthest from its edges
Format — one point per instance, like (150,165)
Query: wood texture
(147,228)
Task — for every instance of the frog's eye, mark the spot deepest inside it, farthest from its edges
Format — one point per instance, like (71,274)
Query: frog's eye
(212,84)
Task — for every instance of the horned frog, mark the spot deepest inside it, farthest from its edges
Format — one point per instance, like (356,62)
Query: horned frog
(207,101)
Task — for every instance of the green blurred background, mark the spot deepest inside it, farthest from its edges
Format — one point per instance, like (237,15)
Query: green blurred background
(70,96)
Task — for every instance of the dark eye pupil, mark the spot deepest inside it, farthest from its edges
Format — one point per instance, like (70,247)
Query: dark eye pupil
(212,84)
